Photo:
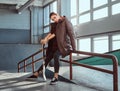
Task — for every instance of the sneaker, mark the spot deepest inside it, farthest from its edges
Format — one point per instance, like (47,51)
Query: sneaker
(54,81)
(33,76)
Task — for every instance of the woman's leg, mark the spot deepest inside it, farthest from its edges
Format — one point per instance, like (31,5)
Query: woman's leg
(47,60)
(57,56)
(39,71)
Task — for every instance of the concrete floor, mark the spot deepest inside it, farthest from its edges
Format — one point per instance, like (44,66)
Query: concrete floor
(16,82)
(89,78)
(86,79)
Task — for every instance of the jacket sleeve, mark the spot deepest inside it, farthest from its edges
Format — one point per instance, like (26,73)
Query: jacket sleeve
(70,32)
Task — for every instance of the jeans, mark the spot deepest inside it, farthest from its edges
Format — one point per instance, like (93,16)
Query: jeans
(52,55)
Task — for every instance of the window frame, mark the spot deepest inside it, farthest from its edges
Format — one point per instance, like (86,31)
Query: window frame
(49,5)
(108,5)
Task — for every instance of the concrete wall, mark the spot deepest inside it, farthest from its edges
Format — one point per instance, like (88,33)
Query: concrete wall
(15,35)
(12,20)
(11,54)
(16,28)
(99,26)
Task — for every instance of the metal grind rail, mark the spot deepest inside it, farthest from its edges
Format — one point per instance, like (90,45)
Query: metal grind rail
(24,64)
(114,72)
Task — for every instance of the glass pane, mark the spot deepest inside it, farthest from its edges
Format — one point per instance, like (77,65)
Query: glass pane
(46,30)
(53,7)
(97,3)
(74,21)
(100,13)
(116,45)
(73,7)
(98,44)
(113,0)
(46,15)
(85,45)
(84,5)
(116,42)
(116,9)
(116,37)
(84,18)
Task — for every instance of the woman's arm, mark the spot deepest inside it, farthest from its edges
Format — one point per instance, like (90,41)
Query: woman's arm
(47,38)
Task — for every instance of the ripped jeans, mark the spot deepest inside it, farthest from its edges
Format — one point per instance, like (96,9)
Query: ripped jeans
(52,55)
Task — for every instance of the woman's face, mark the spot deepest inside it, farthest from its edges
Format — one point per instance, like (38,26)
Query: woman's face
(55,18)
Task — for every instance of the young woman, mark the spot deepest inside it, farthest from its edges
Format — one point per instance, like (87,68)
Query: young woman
(63,40)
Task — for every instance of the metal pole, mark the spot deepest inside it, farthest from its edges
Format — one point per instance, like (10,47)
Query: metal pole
(71,66)
(33,64)
(24,66)
(115,74)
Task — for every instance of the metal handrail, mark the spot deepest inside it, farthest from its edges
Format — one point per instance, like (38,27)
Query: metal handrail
(115,65)
(31,63)
(114,59)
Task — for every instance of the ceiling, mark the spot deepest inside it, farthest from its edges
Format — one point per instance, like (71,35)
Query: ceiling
(20,5)
(22,2)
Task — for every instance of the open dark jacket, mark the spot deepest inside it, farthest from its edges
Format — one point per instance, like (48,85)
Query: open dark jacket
(65,36)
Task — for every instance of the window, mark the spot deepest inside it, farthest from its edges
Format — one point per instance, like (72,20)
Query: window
(74,21)
(84,18)
(84,5)
(53,7)
(73,7)
(97,3)
(46,15)
(85,44)
(46,29)
(98,44)
(90,10)
(116,9)
(100,13)
(116,42)
(49,8)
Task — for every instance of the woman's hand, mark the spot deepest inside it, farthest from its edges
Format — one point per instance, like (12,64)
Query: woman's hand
(47,38)
(44,41)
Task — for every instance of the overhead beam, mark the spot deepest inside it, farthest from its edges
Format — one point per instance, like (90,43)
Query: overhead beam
(25,6)
(8,6)
(46,2)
